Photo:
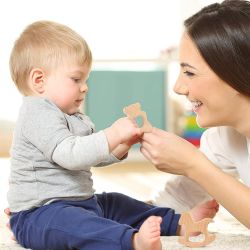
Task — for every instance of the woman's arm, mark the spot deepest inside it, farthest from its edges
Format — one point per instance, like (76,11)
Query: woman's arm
(228,191)
(172,154)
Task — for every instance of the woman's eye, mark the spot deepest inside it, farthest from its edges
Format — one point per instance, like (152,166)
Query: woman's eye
(188,73)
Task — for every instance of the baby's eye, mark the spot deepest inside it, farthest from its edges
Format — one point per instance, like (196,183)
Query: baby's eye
(188,73)
(76,80)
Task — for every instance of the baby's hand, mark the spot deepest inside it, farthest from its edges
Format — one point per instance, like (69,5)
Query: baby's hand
(124,130)
(7,212)
(133,141)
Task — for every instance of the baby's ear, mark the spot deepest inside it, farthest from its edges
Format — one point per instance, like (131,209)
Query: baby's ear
(36,80)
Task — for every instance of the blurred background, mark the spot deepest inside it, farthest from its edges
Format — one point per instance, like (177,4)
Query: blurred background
(134,44)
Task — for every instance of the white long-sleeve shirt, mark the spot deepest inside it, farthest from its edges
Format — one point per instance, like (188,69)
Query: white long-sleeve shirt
(227,149)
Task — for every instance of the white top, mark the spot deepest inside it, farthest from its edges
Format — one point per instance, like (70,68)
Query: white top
(227,149)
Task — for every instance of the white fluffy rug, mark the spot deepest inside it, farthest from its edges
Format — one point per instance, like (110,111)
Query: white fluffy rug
(229,235)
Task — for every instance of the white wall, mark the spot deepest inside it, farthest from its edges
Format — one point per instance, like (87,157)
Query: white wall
(113,28)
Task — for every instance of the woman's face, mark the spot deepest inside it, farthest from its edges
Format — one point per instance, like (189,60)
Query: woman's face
(212,99)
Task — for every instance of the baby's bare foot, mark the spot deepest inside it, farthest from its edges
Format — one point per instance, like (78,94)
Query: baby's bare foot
(148,237)
(207,209)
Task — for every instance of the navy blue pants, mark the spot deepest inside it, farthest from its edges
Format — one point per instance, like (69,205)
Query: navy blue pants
(104,222)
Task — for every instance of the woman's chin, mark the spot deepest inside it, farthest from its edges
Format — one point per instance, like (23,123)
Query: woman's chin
(202,123)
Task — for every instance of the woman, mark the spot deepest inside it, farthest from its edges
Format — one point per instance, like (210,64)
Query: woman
(215,78)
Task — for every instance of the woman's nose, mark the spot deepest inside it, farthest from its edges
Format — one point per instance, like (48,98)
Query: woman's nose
(180,87)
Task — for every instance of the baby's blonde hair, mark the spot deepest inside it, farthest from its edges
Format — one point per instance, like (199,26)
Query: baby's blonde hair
(45,44)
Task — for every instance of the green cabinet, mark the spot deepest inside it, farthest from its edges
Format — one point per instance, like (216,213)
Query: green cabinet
(111,90)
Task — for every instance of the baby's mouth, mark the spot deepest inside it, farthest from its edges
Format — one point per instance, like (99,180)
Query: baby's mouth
(79,101)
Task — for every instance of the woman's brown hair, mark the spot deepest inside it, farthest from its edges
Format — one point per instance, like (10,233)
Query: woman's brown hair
(221,33)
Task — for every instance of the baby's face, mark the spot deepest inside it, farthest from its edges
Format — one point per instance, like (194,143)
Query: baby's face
(66,86)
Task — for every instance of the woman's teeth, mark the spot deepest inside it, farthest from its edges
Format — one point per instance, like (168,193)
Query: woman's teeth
(196,104)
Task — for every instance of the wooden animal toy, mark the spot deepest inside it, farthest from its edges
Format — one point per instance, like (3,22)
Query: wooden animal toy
(133,111)
(191,226)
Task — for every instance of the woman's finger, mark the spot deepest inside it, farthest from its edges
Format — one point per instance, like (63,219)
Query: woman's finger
(147,136)
(146,145)
(145,153)
(158,131)
(150,137)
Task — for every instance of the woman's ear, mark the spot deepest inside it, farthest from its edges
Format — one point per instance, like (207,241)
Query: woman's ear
(37,80)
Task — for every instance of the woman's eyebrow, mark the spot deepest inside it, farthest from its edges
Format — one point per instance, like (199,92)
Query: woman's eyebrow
(187,65)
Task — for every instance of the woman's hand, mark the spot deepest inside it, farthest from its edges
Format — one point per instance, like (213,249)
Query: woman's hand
(169,153)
